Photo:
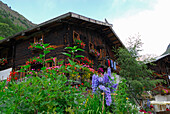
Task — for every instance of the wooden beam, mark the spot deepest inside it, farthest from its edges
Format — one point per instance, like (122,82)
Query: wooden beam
(116,42)
(19,37)
(113,39)
(105,29)
(111,34)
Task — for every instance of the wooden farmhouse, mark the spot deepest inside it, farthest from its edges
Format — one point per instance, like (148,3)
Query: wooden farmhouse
(61,32)
(161,92)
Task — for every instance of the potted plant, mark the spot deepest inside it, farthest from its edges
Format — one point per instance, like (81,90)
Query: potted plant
(79,43)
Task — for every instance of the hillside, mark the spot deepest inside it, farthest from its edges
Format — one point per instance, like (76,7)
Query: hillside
(167,50)
(11,21)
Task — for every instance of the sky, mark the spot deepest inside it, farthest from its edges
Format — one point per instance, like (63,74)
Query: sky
(148,18)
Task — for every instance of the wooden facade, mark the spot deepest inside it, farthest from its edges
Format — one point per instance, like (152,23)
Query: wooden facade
(60,32)
(161,70)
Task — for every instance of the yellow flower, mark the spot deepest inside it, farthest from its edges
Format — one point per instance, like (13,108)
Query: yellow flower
(127,98)
(86,102)
(6,87)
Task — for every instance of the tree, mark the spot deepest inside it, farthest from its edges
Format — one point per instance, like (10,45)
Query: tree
(136,73)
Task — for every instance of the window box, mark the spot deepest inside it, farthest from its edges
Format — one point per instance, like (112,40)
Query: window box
(3,61)
(79,44)
(94,52)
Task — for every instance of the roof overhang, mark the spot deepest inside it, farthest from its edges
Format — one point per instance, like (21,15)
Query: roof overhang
(73,18)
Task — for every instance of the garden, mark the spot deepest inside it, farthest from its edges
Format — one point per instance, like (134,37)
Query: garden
(69,87)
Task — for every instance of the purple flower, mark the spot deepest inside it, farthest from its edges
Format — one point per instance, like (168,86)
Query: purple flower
(148,103)
(107,92)
(108,97)
(113,88)
(103,88)
(100,80)
(104,84)
(95,82)
(105,78)
(109,71)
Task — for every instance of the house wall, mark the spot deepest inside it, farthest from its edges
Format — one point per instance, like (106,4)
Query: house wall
(62,36)
(99,41)
(7,53)
(54,36)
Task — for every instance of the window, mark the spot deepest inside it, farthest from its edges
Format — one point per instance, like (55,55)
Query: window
(91,45)
(39,39)
(76,36)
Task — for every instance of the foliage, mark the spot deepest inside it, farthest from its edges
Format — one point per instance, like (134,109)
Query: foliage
(136,73)
(122,103)
(5,30)
(48,90)
(40,95)
(8,28)
(148,108)
(93,104)
(33,45)
(1,38)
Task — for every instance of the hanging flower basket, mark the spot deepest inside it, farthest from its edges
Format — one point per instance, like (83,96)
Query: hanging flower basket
(79,44)
(94,52)
(3,61)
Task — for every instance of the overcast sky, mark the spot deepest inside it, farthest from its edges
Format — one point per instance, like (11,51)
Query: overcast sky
(149,18)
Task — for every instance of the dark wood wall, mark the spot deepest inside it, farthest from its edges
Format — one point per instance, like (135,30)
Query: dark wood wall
(62,36)
(161,66)
(99,41)
(54,36)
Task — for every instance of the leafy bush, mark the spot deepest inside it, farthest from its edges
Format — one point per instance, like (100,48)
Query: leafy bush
(48,90)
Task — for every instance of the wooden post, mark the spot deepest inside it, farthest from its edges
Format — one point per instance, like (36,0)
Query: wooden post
(103,103)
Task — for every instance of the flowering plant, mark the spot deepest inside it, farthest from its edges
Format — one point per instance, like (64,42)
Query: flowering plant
(12,76)
(86,61)
(104,84)
(3,61)
(148,108)
(79,43)
(35,60)
(32,45)
(94,52)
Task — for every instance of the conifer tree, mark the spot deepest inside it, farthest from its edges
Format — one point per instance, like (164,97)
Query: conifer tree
(138,76)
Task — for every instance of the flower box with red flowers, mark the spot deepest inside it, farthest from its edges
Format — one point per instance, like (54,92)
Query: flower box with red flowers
(33,46)
(3,61)
(79,43)
(94,52)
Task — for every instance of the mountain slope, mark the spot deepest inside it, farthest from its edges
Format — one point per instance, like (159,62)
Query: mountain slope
(11,21)
(167,50)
